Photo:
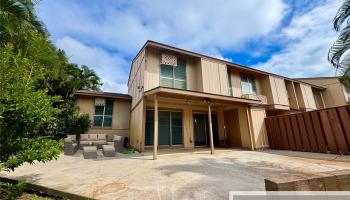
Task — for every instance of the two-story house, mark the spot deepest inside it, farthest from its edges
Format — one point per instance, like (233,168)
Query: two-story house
(185,99)
(336,94)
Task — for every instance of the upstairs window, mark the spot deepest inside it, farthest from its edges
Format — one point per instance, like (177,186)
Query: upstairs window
(103,114)
(248,85)
(173,76)
(347,89)
(229,82)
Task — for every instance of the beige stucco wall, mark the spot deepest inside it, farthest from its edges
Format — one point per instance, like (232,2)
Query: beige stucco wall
(334,95)
(120,117)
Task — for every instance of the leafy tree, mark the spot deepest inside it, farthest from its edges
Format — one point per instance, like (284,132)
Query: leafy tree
(338,54)
(73,78)
(70,121)
(36,88)
(16,15)
(24,110)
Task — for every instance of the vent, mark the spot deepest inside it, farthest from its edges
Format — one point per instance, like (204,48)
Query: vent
(100,101)
(168,59)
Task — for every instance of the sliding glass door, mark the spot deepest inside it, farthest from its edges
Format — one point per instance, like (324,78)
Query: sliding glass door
(169,128)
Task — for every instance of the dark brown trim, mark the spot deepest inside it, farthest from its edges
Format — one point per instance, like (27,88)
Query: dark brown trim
(103,94)
(325,77)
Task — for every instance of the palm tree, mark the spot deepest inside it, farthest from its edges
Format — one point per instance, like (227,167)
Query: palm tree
(338,54)
(77,78)
(17,15)
(88,79)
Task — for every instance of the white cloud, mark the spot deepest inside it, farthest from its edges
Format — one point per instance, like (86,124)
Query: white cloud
(219,56)
(111,86)
(200,25)
(105,35)
(111,67)
(306,43)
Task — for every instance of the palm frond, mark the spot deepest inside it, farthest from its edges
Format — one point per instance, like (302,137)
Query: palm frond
(345,79)
(342,14)
(341,45)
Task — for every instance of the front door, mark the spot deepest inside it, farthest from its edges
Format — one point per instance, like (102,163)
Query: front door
(201,129)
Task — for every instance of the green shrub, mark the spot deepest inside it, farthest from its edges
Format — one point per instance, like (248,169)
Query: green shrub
(16,153)
(82,124)
(11,190)
(128,150)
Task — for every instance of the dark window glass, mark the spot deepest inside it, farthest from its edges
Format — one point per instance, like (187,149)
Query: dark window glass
(103,115)
(149,127)
(229,82)
(107,122)
(99,110)
(174,76)
(164,128)
(109,107)
(169,128)
(176,128)
(98,120)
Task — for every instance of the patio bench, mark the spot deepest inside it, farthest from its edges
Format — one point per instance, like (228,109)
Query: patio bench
(90,152)
(108,150)
(96,139)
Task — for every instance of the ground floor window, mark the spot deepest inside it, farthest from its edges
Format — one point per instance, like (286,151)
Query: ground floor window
(169,128)
(103,114)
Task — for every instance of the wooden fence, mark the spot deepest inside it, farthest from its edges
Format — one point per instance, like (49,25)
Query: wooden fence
(325,130)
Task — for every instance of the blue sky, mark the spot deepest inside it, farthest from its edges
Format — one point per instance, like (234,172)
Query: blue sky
(289,38)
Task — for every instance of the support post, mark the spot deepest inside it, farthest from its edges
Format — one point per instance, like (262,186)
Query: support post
(155,137)
(250,130)
(210,130)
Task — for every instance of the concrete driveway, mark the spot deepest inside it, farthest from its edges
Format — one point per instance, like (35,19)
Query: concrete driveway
(177,174)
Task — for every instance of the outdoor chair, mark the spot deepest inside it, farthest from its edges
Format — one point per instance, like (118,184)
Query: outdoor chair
(118,142)
(70,145)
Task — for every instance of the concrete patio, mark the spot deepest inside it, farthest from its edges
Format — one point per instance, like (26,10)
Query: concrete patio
(177,174)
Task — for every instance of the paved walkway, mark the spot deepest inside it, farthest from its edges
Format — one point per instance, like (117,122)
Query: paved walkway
(177,174)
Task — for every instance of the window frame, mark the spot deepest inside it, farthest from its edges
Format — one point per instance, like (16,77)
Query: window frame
(173,79)
(104,116)
(249,82)
(150,124)
(347,91)
(229,77)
